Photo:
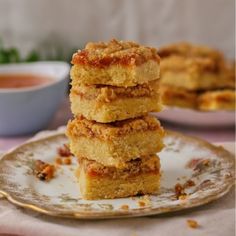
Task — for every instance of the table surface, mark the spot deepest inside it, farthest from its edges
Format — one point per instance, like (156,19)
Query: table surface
(213,134)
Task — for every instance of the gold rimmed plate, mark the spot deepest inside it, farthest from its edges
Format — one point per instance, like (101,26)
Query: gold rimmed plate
(206,173)
(195,118)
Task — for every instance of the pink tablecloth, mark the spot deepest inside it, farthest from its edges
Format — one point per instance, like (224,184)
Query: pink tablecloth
(221,134)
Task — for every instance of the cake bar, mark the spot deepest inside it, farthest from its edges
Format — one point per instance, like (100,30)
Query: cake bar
(106,103)
(195,67)
(140,176)
(217,100)
(211,100)
(179,97)
(116,63)
(115,143)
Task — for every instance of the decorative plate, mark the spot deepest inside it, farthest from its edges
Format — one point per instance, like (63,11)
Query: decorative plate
(194,173)
(196,118)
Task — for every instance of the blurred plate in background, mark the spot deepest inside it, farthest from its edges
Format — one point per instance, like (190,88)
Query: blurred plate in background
(190,117)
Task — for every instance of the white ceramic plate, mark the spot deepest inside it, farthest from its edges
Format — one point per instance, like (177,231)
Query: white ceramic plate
(191,117)
(184,158)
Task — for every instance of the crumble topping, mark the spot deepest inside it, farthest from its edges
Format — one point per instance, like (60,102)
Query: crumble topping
(229,74)
(189,50)
(64,155)
(171,92)
(63,161)
(114,52)
(144,201)
(180,189)
(189,64)
(197,99)
(43,171)
(192,224)
(83,127)
(193,58)
(64,151)
(108,93)
(141,203)
(148,164)
(218,95)
(124,207)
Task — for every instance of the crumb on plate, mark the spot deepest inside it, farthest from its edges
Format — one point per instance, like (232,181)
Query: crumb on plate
(141,203)
(183,197)
(179,190)
(189,183)
(64,151)
(66,161)
(58,160)
(44,171)
(124,207)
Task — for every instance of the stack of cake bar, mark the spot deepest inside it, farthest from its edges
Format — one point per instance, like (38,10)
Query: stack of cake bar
(196,77)
(114,86)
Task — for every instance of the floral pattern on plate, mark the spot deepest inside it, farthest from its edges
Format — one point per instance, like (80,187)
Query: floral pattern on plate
(194,173)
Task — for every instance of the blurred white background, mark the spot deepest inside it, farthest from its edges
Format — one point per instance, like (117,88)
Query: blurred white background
(30,24)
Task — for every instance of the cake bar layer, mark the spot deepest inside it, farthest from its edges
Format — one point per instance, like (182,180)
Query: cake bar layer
(117,63)
(195,68)
(174,96)
(105,104)
(223,99)
(189,50)
(217,100)
(140,176)
(115,143)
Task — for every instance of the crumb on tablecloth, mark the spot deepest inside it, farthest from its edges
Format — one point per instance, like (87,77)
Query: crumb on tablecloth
(192,224)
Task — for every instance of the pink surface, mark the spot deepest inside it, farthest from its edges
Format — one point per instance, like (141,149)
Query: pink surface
(216,134)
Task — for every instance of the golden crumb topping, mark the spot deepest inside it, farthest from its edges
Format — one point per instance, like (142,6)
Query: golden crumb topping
(180,189)
(192,224)
(64,151)
(43,171)
(171,92)
(147,164)
(190,50)
(114,52)
(108,93)
(223,96)
(192,65)
(228,74)
(192,57)
(124,207)
(83,127)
